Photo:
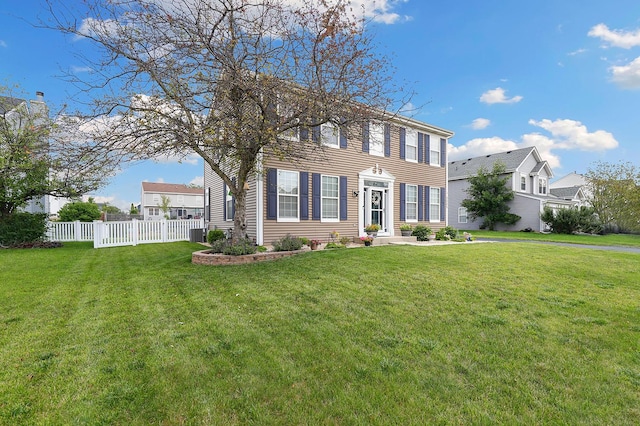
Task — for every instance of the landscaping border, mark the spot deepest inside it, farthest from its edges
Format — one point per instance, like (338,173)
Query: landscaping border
(205,257)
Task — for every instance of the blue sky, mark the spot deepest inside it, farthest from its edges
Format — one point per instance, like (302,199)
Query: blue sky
(561,75)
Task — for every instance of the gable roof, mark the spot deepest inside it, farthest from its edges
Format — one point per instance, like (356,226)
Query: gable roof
(170,188)
(461,169)
(567,193)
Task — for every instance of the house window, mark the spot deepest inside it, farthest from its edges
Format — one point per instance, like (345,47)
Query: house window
(154,211)
(523,183)
(330,198)
(542,185)
(287,195)
(330,135)
(376,139)
(411,202)
(411,145)
(434,205)
(228,200)
(434,154)
(462,215)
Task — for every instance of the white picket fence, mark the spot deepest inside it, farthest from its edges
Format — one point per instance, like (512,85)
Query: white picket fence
(125,233)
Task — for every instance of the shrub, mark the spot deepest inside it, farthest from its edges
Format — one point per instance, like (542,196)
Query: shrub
(20,228)
(215,235)
(406,227)
(345,240)
(305,241)
(79,210)
(246,246)
(571,220)
(287,243)
(218,246)
(332,245)
(451,232)
(421,232)
(442,235)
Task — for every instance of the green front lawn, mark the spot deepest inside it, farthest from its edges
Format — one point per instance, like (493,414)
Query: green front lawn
(627,240)
(456,334)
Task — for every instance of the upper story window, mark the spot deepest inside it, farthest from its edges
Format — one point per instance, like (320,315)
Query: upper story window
(434,205)
(411,145)
(376,139)
(523,183)
(330,134)
(462,215)
(434,153)
(180,199)
(411,202)
(288,195)
(542,185)
(330,198)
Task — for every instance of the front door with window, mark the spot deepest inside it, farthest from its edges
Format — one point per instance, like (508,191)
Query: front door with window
(376,214)
(375,205)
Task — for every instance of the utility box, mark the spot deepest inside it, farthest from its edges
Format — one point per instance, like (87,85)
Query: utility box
(196,235)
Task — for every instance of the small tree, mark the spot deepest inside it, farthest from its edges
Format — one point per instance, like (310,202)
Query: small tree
(165,205)
(571,220)
(133,209)
(489,197)
(79,210)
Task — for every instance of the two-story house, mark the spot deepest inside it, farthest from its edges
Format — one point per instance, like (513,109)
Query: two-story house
(386,173)
(184,202)
(528,176)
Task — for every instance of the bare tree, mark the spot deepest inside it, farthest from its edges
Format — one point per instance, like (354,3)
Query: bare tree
(230,80)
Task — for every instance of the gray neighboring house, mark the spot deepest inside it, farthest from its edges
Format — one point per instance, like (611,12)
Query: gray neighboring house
(186,202)
(572,187)
(529,177)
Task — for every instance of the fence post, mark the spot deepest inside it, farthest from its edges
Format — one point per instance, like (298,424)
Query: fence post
(165,230)
(77,233)
(134,229)
(97,233)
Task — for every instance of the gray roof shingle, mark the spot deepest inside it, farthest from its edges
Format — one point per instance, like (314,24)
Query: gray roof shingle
(461,169)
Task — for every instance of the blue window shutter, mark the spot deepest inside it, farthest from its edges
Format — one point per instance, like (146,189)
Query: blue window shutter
(443,152)
(304,134)
(343,198)
(427,149)
(403,143)
(443,203)
(427,210)
(420,203)
(365,137)
(420,148)
(304,195)
(343,138)
(403,200)
(272,193)
(315,196)
(224,201)
(315,134)
(387,140)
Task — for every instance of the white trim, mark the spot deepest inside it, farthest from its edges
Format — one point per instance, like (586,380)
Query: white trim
(376,173)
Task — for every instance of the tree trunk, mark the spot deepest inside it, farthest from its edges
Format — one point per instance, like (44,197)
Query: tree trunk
(240,216)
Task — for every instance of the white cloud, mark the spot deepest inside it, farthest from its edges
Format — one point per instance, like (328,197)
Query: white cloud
(480,123)
(627,76)
(565,135)
(197,181)
(77,70)
(617,38)
(577,52)
(191,159)
(380,10)
(497,96)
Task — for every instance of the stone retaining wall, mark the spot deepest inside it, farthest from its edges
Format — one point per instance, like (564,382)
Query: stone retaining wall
(205,257)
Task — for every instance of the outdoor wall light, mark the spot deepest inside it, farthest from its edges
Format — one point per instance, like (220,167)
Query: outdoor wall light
(355,193)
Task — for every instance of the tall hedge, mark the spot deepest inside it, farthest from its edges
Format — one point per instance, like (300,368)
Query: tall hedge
(20,228)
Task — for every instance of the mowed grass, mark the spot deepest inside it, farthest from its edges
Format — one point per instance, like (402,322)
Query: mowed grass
(627,240)
(514,333)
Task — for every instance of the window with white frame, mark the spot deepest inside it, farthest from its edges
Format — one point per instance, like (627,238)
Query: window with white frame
(411,202)
(228,201)
(330,198)
(542,185)
(434,205)
(523,183)
(411,145)
(376,139)
(330,135)
(434,152)
(462,215)
(287,195)
(154,211)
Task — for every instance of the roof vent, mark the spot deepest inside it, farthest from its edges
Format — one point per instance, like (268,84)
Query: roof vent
(464,163)
(508,152)
(468,159)
(488,155)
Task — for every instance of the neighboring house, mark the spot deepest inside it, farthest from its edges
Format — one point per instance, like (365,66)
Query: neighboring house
(572,187)
(390,173)
(528,176)
(9,106)
(185,202)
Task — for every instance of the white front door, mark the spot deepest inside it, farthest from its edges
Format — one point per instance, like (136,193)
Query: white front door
(376,189)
